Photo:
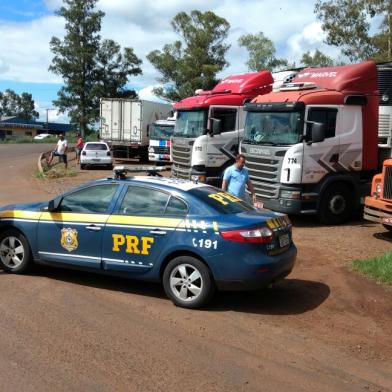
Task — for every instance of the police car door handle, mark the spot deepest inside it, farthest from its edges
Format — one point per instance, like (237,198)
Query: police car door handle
(93,228)
(158,232)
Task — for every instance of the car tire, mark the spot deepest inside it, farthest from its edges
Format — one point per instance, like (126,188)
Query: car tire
(188,282)
(15,252)
(82,166)
(336,205)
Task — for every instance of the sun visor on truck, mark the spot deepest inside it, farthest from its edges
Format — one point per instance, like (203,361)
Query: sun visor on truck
(240,84)
(348,79)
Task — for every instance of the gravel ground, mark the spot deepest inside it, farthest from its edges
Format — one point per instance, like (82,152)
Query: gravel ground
(324,328)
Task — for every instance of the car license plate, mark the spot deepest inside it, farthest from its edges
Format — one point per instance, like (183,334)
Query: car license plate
(96,159)
(284,240)
(387,220)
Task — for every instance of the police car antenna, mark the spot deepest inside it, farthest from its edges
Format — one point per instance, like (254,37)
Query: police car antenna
(120,172)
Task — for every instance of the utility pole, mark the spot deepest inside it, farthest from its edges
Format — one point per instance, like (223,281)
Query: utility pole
(47,117)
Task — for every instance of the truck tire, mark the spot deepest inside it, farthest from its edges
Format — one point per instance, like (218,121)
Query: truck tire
(336,205)
(144,156)
(188,282)
(388,227)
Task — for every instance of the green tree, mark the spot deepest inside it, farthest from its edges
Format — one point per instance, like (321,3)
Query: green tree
(12,104)
(91,69)
(192,62)
(319,59)
(261,51)
(27,108)
(347,24)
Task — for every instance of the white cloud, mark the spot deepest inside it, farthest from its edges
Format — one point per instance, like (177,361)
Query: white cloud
(145,25)
(148,94)
(24,48)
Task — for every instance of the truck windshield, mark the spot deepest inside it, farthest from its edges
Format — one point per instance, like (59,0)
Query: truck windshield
(190,123)
(161,132)
(274,128)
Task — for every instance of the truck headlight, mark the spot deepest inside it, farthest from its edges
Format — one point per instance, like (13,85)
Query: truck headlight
(284,194)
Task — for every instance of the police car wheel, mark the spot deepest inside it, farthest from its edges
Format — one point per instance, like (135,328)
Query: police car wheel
(15,252)
(188,283)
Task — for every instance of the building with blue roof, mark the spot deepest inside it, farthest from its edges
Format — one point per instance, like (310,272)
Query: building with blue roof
(15,127)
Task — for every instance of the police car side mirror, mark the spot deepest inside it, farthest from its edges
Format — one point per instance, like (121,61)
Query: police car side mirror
(53,205)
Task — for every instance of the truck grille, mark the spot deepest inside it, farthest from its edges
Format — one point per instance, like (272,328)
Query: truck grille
(161,150)
(264,171)
(387,191)
(181,155)
(384,130)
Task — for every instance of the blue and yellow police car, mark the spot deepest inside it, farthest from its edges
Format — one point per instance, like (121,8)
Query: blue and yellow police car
(194,238)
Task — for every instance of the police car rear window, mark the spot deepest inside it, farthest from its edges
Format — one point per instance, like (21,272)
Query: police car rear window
(221,201)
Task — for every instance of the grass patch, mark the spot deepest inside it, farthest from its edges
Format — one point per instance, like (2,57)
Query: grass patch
(378,268)
(59,172)
(39,175)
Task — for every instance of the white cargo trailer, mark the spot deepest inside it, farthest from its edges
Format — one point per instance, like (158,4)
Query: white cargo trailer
(125,125)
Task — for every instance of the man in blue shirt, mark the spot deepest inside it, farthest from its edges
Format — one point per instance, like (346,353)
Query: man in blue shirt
(235,179)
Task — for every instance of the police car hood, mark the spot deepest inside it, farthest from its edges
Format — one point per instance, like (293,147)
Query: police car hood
(36,206)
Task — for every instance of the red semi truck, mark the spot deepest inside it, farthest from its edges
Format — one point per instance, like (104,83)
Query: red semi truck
(210,124)
(312,146)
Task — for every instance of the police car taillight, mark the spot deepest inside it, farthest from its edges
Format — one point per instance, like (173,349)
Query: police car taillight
(261,235)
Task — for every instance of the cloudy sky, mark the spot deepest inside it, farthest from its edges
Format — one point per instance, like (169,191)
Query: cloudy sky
(26,27)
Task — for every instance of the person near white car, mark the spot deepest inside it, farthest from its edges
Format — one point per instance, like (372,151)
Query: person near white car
(60,151)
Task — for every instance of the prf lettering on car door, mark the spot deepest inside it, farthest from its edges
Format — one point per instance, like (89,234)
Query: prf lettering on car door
(132,244)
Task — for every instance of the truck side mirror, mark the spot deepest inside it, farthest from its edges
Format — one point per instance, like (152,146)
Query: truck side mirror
(318,132)
(216,126)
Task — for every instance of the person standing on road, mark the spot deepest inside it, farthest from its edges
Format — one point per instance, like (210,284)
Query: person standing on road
(60,151)
(236,178)
(79,146)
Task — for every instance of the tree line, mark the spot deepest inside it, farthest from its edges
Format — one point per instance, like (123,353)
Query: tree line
(92,67)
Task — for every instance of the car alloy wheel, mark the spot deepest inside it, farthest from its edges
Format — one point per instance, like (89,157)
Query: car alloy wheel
(15,253)
(12,252)
(186,282)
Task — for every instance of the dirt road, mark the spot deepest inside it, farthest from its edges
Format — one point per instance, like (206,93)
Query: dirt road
(322,329)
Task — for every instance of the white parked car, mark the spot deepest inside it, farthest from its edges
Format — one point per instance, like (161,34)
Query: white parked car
(96,153)
(42,136)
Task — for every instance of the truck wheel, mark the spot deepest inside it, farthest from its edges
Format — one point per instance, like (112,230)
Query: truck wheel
(336,205)
(188,283)
(144,156)
(388,227)
(15,252)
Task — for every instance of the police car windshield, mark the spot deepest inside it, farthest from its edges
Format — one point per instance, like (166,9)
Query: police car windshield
(273,128)
(222,202)
(190,123)
(162,132)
